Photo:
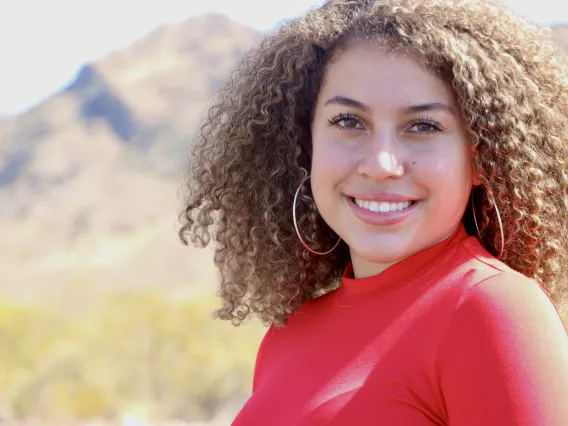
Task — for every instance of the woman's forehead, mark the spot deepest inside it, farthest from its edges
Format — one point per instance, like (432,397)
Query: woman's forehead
(369,72)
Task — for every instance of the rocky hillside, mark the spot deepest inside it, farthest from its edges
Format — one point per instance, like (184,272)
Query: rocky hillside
(560,34)
(88,179)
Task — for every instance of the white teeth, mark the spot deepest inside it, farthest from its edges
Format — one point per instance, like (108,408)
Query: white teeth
(382,206)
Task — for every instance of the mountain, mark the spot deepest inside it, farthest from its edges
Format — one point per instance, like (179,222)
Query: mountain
(89,178)
(560,35)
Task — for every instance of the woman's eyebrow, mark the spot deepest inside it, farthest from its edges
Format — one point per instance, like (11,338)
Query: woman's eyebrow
(433,106)
(430,106)
(342,100)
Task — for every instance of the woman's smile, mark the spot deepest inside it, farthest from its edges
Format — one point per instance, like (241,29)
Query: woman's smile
(382,213)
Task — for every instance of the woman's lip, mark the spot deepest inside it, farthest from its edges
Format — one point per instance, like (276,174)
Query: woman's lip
(387,197)
(381,219)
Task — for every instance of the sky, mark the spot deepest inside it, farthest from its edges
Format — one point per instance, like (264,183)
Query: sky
(44,43)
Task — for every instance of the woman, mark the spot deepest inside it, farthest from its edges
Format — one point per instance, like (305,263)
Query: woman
(386,184)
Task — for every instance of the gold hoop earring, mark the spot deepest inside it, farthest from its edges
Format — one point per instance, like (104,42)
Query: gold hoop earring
(296,224)
(498,219)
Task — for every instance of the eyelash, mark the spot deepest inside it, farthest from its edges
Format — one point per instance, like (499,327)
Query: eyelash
(341,117)
(437,127)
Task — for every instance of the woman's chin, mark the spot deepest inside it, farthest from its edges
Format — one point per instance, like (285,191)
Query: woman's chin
(378,258)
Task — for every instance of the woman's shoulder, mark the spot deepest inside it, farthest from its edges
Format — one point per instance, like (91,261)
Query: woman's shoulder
(479,289)
(504,341)
(496,281)
(497,294)
(495,284)
(511,294)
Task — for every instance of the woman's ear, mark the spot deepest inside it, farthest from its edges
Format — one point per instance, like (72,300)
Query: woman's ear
(476,181)
(475,172)
(475,168)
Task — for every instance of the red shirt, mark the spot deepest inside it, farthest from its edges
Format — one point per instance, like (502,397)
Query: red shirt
(449,336)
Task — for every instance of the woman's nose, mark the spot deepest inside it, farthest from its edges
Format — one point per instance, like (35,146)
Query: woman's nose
(382,159)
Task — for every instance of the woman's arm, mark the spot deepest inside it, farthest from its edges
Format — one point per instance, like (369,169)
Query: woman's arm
(504,357)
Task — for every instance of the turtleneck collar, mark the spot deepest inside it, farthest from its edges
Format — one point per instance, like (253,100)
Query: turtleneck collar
(354,291)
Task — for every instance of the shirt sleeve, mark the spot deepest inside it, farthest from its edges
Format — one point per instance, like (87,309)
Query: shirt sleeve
(503,359)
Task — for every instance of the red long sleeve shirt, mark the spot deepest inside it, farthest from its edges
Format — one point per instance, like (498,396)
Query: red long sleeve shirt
(449,336)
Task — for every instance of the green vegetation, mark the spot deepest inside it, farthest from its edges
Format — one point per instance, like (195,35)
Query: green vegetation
(136,349)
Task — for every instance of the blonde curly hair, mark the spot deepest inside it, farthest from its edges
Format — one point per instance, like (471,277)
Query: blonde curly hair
(254,148)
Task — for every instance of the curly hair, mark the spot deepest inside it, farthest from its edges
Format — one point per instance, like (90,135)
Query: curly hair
(254,146)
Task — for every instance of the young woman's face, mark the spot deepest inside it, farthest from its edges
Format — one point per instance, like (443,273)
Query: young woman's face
(391,170)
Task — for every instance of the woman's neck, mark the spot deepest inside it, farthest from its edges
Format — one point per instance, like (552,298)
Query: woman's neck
(363,268)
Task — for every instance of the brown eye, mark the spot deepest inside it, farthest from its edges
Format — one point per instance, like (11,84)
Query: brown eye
(349,123)
(346,121)
(425,126)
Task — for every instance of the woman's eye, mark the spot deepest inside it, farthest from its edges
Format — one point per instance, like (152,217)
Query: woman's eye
(425,126)
(346,122)
(349,123)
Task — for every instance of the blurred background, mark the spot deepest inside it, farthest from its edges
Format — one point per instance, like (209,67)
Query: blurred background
(105,318)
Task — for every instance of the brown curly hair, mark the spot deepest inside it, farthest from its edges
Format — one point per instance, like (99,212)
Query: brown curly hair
(254,146)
